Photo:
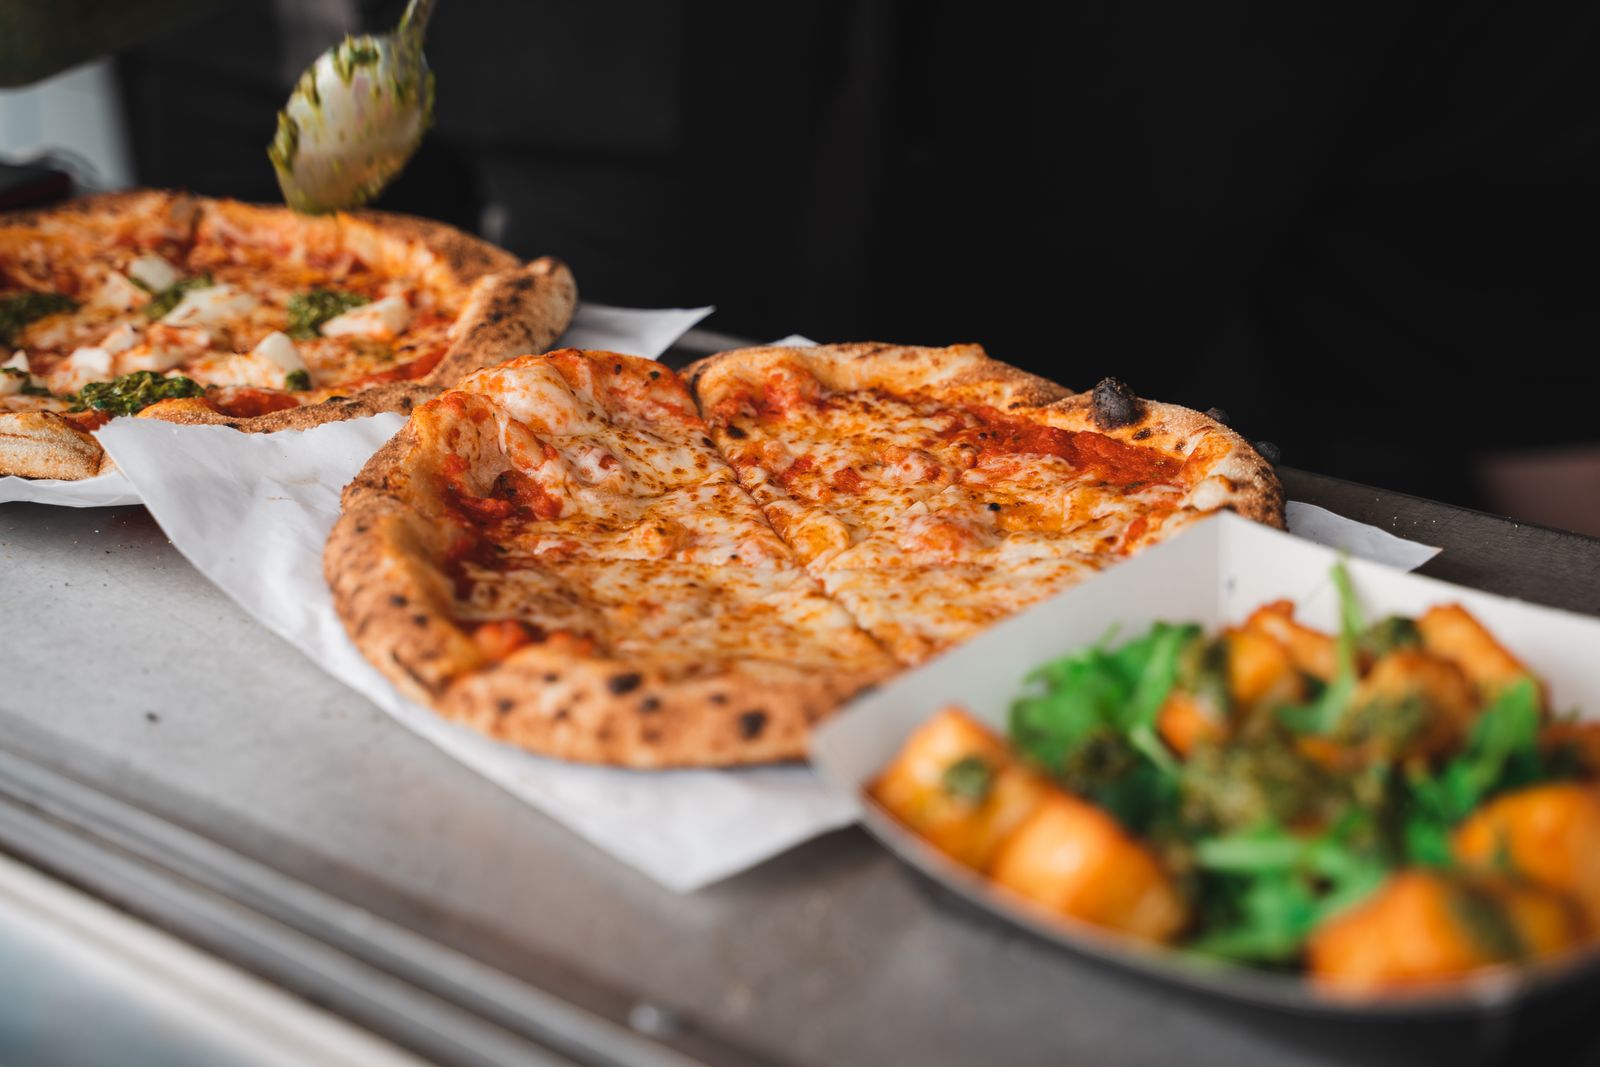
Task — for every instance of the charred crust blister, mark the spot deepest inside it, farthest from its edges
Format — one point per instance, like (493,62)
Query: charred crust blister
(751,723)
(622,684)
(1114,405)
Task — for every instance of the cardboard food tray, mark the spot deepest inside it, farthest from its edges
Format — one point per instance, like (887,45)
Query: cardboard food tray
(1214,574)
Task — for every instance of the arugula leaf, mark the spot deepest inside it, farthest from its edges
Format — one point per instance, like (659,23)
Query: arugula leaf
(1321,716)
(1501,753)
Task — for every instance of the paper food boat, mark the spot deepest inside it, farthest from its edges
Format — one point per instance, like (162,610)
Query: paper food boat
(1214,574)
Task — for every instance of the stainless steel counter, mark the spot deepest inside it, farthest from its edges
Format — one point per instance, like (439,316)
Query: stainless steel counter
(162,750)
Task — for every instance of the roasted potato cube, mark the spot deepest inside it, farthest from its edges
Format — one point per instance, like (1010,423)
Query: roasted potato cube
(1451,632)
(1184,723)
(1411,704)
(1075,859)
(1548,835)
(1260,672)
(1312,651)
(956,785)
(1423,926)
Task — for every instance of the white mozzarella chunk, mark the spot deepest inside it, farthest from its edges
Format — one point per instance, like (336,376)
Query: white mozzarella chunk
(79,369)
(14,374)
(121,339)
(212,307)
(278,350)
(164,348)
(235,370)
(382,319)
(153,272)
(117,293)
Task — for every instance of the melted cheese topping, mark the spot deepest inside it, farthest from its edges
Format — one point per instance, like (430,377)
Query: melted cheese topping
(574,519)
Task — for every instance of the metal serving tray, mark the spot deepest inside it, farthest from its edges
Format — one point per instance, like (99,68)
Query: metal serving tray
(160,749)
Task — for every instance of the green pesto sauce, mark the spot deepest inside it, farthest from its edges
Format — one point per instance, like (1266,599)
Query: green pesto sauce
(20,309)
(163,302)
(309,310)
(132,393)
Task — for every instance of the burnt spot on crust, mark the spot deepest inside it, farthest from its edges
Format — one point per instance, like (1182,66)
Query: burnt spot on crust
(718,698)
(1269,452)
(736,433)
(650,704)
(419,620)
(751,723)
(621,684)
(1114,405)
(1143,434)
(561,715)
(398,600)
(551,677)
(654,375)
(1217,415)
(504,705)
(649,736)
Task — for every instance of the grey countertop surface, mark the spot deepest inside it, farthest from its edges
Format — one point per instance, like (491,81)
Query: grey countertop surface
(129,679)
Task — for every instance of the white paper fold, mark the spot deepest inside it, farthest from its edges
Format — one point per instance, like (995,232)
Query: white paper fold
(251,512)
(101,491)
(634,331)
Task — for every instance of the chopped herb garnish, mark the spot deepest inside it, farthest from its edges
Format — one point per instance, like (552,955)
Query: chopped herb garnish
(162,303)
(134,392)
(20,309)
(969,778)
(309,310)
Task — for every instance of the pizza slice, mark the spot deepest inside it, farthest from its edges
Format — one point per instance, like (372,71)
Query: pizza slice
(197,310)
(934,491)
(555,553)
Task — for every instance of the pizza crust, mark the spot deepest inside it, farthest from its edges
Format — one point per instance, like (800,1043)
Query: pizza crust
(511,308)
(37,444)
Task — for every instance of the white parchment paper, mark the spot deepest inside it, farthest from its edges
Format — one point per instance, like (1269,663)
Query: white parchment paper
(635,331)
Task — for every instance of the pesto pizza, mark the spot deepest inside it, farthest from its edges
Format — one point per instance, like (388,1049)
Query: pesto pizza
(595,558)
(179,307)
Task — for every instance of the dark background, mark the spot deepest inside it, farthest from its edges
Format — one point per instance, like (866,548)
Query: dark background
(1365,230)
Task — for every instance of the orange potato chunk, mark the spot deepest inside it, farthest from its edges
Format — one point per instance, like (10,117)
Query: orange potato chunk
(1076,859)
(1312,651)
(1548,834)
(1183,723)
(914,788)
(1423,926)
(1260,671)
(1451,632)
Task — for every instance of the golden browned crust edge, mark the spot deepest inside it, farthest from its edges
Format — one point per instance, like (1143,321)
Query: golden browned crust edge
(395,604)
(41,444)
(512,313)
(962,372)
(1237,477)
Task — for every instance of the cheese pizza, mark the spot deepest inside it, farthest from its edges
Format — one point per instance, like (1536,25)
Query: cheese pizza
(196,310)
(592,557)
